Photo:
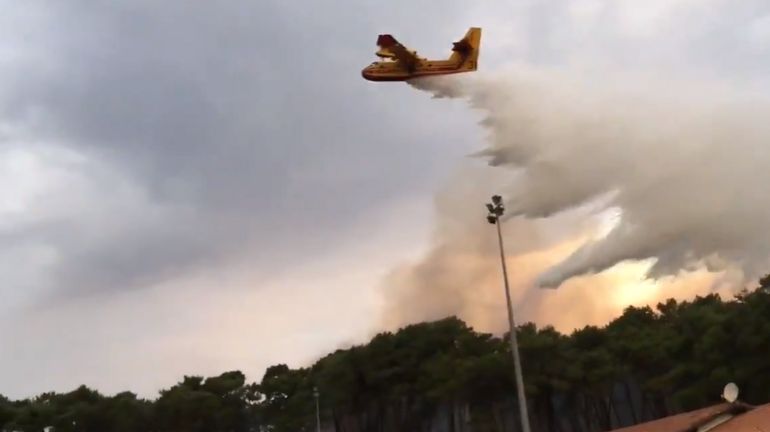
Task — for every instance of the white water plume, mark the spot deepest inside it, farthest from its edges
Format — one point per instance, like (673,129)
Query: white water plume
(686,164)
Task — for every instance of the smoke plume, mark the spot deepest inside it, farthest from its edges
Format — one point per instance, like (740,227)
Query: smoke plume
(682,166)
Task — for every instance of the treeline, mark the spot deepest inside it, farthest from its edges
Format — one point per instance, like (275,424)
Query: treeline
(444,376)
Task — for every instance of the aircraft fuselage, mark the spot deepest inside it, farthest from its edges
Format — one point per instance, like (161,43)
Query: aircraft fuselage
(392,71)
(399,63)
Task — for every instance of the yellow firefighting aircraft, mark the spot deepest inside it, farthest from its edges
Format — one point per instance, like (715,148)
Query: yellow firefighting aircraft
(400,64)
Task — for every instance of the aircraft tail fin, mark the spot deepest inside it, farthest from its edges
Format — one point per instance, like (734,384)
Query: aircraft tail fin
(465,52)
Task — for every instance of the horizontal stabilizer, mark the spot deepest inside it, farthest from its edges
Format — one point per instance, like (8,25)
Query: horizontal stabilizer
(462,46)
(465,52)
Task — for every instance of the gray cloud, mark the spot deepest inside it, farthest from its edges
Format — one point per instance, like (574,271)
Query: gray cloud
(238,125)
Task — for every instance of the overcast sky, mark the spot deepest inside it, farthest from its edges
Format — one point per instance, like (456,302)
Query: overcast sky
(194,187)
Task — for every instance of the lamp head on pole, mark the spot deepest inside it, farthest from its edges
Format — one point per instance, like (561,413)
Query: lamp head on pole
(496,209)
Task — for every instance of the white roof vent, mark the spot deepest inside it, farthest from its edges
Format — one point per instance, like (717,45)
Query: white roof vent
(730,393)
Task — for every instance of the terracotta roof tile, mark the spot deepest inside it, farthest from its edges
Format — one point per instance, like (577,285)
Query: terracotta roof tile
(754,420)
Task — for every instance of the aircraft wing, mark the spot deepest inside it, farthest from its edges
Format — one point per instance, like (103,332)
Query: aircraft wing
(391,48)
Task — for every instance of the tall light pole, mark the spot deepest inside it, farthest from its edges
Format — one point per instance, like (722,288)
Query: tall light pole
(317,410)
(496,209)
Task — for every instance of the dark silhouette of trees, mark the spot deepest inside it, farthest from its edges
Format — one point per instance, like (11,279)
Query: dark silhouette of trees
(444,376)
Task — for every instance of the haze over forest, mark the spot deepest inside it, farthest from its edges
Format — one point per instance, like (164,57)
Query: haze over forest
(446,376)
